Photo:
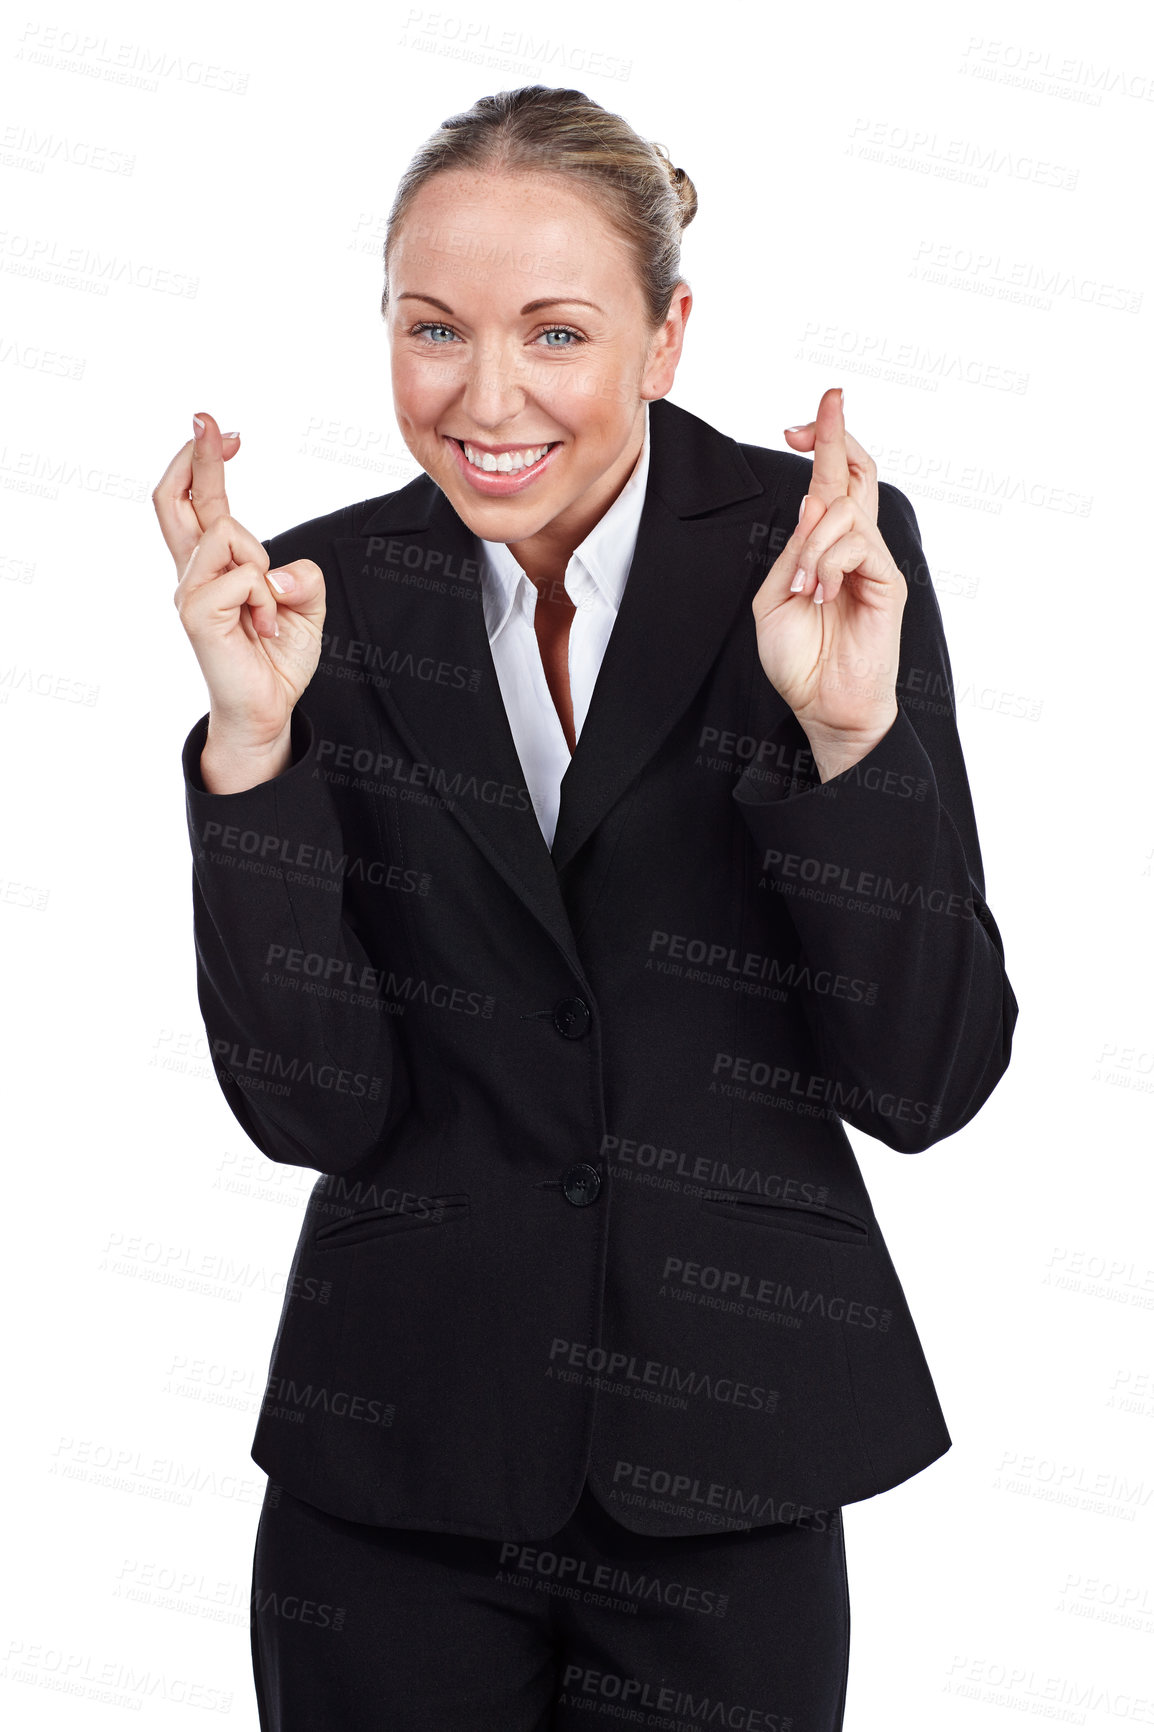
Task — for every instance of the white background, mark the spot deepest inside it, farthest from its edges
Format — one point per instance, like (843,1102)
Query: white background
(920,206)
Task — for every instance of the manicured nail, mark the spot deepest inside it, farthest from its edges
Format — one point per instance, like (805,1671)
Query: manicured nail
(800,428)
(798,582)
(819,595)
(279,587)
(197,426)
(841,394)
(230,435)
(801,507)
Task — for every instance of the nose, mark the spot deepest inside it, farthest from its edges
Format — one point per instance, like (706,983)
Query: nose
(494,391)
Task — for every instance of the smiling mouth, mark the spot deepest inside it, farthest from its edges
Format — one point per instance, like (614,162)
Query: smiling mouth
(507,463)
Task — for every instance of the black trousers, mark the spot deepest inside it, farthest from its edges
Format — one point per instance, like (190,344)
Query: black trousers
(368,1629)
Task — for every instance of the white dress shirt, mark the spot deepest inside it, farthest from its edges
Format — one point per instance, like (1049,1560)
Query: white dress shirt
(594,582)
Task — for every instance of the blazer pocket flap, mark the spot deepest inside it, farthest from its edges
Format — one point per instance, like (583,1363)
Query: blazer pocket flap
(414,1211)
(815,1218)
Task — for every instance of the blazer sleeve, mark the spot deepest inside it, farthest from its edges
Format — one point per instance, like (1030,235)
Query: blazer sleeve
(312,1075)
(881,872)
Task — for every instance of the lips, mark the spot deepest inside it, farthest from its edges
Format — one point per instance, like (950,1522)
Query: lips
(497,483)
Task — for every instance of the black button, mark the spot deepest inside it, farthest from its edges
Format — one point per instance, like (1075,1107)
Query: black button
(572,1018)
(581,1184)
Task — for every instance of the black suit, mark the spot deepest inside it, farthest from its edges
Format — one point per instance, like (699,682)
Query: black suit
(584,1210)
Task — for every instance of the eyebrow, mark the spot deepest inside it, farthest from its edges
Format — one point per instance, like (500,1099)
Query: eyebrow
(529,307)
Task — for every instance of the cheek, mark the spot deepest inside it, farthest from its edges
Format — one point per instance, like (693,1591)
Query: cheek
(595,403)
(416,382)
(590,429)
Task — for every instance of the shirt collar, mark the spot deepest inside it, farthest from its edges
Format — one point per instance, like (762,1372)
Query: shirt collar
(605,555)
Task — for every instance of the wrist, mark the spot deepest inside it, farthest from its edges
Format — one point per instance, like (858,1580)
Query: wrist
(229,765)
(838,749)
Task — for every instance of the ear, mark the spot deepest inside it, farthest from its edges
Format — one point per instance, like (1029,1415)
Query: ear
(666,344)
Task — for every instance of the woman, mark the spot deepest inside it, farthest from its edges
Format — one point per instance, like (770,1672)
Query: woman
(567,869)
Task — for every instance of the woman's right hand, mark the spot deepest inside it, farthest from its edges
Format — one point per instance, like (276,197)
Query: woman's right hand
(257,649)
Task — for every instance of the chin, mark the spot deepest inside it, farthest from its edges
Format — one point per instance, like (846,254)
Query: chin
(498,521)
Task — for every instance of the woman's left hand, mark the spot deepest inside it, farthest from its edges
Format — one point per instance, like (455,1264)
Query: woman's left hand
(830,646)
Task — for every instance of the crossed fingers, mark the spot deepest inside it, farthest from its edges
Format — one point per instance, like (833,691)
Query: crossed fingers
(841,466)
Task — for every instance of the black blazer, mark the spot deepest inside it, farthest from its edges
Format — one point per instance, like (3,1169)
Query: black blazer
(586,1203)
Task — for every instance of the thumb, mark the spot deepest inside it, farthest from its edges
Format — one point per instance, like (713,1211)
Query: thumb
(803,435)
(299,585)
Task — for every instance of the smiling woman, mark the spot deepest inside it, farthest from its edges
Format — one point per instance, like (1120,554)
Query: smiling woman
(591,1331)
(528,408)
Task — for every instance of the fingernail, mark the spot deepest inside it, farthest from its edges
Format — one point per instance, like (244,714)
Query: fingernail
(230,435)
(800,428)
(798,582)
(197,426)
(281,588)
(841,394)
(819,595)
(801,507)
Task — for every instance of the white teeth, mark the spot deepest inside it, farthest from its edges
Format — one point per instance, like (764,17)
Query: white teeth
(508,461)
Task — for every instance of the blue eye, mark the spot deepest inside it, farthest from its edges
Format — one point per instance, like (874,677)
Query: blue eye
(428,325)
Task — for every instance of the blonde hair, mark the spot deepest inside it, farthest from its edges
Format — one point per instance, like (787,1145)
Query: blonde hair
(540,130)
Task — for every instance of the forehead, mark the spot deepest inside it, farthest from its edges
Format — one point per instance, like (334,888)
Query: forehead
(528,231)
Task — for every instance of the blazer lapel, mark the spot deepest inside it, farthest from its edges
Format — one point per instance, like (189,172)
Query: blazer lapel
(413,582)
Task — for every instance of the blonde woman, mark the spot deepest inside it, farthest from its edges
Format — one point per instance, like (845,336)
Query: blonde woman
(577,851)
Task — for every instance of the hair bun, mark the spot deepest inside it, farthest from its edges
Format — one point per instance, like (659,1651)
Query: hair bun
(681,184)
